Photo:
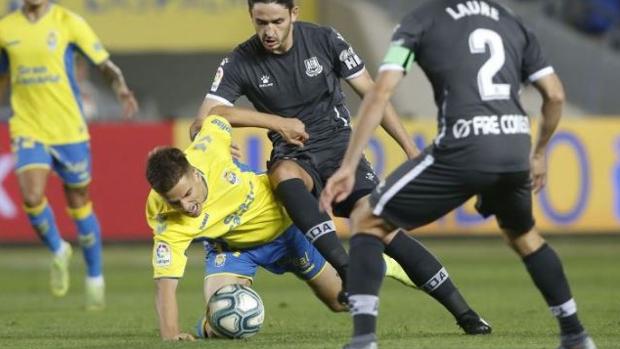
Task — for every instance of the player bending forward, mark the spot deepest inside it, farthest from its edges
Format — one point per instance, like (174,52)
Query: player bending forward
(202,194)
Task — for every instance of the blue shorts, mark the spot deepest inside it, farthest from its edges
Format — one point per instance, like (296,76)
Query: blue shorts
(72,162)
(290,252)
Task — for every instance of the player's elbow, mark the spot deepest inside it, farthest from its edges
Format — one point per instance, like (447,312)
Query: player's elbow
(557,96)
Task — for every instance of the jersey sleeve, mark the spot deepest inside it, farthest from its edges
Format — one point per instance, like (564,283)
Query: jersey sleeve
(86,40)
(405,43)
(347,64)
(169,242)
(227,82)
(534,65)
(215,137)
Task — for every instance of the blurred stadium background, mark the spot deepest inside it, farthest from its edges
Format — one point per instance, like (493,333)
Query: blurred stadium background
(169,51)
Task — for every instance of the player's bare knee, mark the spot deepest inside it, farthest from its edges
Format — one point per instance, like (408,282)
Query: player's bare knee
(364,221)
(524,242)
(286,169)
(33,198)
(77,196)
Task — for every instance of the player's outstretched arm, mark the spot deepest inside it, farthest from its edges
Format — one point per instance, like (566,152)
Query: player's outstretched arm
(371,114)
(391,122)
(552,92)
(168,311)
(114,76)
(291,129)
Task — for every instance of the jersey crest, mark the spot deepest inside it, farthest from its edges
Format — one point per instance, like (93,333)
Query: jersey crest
(313,67)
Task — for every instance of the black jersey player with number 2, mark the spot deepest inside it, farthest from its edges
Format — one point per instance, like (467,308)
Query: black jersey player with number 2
(476,54)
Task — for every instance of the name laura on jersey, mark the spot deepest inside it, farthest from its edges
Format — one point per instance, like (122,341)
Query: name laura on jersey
(473,8)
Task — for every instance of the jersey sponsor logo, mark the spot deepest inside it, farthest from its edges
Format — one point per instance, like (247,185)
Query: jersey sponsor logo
(483,125)
(231,177)
(220,260)
(265,81)
(205,220)
(234,219)
(350,58)
(52,40)
(163,255)
(313,67)
(221,125)
(473,8)
(217,80)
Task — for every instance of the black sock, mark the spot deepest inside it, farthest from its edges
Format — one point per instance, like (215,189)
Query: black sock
(303,208)
(366,273)
(427,272)
(546,271)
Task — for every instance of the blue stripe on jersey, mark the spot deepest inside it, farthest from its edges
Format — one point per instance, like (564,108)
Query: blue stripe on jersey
(70,70)
(246,168)
(4,62)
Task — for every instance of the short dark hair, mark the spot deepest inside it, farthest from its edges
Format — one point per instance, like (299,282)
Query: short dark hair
(165,167)
(289,4)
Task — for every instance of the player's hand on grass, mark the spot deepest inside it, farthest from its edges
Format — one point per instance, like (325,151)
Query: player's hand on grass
(185,337)
(129,103)
(338,188)
(538,172)
(293,131)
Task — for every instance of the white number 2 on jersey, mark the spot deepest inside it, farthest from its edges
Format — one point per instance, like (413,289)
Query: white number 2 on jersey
(478,41)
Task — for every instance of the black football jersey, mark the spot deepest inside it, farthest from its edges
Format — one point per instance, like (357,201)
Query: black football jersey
(303,83)
(476,55)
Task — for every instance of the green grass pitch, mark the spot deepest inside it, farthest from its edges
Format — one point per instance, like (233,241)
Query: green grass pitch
(487,272)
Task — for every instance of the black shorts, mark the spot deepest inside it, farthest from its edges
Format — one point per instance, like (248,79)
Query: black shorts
(321,163)
(422,190)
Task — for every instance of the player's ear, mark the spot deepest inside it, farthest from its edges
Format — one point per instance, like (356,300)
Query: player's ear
(294,13)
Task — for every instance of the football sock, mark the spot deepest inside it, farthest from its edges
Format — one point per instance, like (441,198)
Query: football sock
(426,272)
(546,271)
(89,236)
(42,219)
(365,276)
(303,208)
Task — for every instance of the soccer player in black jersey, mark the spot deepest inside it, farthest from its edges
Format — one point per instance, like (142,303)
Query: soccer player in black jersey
(291,71)
(476,54)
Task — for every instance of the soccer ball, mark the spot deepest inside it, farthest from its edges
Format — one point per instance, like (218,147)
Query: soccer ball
(235,311)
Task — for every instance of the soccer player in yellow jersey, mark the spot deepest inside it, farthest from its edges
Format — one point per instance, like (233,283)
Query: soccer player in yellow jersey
(203,194)
(38,44)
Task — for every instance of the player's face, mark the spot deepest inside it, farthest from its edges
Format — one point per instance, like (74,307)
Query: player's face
(189,194)
(274,25)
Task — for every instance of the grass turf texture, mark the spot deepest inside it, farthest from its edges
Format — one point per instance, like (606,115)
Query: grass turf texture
(487,272)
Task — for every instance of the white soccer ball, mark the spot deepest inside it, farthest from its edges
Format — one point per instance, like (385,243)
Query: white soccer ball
(235,311)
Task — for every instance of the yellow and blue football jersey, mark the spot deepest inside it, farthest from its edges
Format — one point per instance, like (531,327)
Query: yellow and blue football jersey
(241,211)
(45,96)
